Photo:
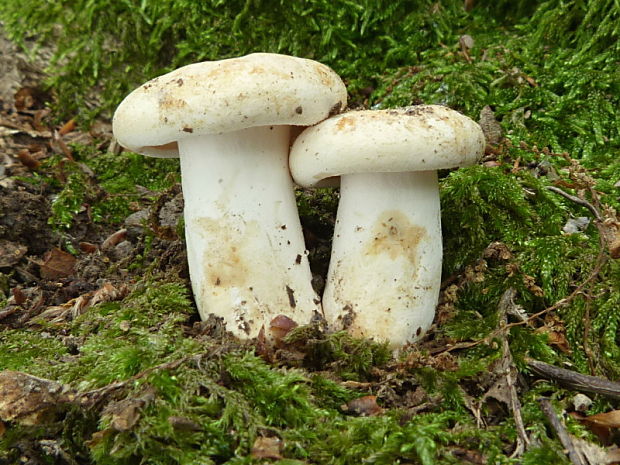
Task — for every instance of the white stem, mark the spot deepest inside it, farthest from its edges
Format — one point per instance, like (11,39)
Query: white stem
(385,269)
(245,247)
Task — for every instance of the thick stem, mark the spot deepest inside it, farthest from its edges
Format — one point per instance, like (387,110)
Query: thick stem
(385,269)
(245,248)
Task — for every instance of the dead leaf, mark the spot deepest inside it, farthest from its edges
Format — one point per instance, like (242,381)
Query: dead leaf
(87,247)
(67,127)
(27,98)
(183,424)
(468,455)
(28,160)
(595,454)
(491,128)
(108,293)
(98,436)
(124,326)
(466,43)
(600,424)
(57,264)
(114,239)
(609,419)
(11,253)
(18,296)
(365,406)
(37,119)
(614,247)
(530,284)
(30,400)
(556,333)
(59,314)
(267,448)
(59,146)
(126,413)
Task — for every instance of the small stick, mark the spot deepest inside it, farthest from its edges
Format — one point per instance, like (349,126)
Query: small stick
(506,302)
(573,454)
(577,200)
(576,381)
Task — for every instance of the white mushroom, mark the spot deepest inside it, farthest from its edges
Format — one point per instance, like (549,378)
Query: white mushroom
(229,122)
(385,269)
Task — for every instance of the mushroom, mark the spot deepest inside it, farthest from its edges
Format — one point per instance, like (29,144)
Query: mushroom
(385,269)
(229,122)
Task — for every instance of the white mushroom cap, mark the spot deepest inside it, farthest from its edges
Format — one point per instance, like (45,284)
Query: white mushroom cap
(416,138)
(261,89)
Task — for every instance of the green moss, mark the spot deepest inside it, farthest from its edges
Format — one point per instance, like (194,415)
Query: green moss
(552,81)
(109,190)
(29,350)
(482,205)
(123,339)
(349,357)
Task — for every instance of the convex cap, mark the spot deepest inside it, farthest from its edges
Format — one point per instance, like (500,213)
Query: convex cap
(416,138)
(212,97)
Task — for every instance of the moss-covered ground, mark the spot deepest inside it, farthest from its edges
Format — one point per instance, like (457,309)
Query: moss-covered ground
(153,385)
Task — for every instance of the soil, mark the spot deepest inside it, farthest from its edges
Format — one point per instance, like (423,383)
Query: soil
(34,271)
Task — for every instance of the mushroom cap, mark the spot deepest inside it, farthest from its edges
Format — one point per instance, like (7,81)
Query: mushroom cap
(416,138)
(213,97)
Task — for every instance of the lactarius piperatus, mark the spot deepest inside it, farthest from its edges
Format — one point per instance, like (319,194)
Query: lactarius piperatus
(229,122)
(385,268)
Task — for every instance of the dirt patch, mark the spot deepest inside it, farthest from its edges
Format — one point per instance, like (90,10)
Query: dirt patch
(23,219)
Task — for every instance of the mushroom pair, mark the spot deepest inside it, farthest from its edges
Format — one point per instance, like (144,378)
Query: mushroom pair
(229,122)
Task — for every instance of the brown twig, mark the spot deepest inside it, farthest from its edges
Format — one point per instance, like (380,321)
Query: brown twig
(575,381)
(506,302)
(577,200)
(574,455)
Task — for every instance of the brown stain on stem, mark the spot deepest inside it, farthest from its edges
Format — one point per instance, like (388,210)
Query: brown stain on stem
(226,265)
(395,236)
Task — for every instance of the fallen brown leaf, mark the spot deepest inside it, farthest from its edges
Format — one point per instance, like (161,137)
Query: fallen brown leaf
(57,264)
(67,127)
(609,419)
(126,413)
(18,296)
(26,98)
(365,406)
(114,239)
(87,247)
(267,448)
(183,424)
(614,247)
(28,160)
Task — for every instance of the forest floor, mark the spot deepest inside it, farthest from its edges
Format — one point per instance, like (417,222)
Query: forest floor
(106,361)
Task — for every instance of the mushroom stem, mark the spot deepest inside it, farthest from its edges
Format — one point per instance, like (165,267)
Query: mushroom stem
(385,269)
(245,247)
